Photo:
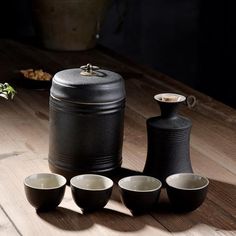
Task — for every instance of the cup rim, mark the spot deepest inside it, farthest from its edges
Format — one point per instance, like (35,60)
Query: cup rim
(63,179)
(187,174)
(140,176)
(158,97)
(110,182)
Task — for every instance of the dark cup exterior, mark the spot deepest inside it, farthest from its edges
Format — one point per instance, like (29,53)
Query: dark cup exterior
(186,200)
(139,202)
(91,200)
(44,199)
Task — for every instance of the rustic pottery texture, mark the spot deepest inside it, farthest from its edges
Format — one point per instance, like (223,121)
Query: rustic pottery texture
(168,139)
(68,24)
(186,191)
(86,122)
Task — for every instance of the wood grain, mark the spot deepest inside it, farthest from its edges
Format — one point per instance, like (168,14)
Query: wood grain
(7,227)
(24,149)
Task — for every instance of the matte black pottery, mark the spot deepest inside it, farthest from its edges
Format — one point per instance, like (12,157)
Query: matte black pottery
(168,139)
(139,193)
(186,191)
(45,191)
(91,192)
(86,121)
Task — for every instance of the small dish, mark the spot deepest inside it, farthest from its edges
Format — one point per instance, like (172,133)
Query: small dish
(23,78)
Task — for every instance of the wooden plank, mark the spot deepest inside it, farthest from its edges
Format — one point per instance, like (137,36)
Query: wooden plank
(24,124)
(133,148)
(207,135)
(222,190)
(37,165)
(16,53)
(6,225)
(24,148)
(202,230)
(67,219)
(205,104)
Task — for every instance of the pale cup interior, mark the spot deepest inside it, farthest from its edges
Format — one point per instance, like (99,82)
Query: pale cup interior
(140,183)
(91,182)
(169,97)
(45,181)
(187,181)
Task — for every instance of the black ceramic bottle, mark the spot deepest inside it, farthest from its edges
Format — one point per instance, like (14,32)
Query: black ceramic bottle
(168,139)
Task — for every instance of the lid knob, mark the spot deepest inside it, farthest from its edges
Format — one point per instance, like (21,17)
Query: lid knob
(88,69)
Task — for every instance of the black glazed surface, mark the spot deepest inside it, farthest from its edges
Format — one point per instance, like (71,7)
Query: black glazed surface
(186,200)
(86,122)
(102,87)
(44,199)
(90,200)
(85,141)
(168,143)
(139,202)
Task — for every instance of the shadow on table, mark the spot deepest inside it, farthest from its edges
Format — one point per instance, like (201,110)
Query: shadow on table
(216,213)
(70,220)
(66,219)
(118,221)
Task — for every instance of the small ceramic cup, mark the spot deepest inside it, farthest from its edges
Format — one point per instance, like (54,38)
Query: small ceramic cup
(186,191)
(91,192)
(139,193)
(45,191)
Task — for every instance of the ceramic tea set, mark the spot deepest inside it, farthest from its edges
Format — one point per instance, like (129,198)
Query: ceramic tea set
(85,145)
(140,193)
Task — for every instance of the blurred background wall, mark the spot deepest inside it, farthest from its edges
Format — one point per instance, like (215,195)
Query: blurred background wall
(192,41)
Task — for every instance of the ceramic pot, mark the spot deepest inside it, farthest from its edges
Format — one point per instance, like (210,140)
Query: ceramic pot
(68,24)
(86,122)
(168,139)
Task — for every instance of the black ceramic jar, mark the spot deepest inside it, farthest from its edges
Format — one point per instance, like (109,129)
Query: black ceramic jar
(86,121)
(168,139)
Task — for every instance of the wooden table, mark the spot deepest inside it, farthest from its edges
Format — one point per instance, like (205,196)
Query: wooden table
(24,150)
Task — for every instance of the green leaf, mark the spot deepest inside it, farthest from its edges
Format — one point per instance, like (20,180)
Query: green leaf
(7,91)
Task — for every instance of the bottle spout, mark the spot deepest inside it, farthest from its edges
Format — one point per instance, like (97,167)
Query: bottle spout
(168,103)
(169,97)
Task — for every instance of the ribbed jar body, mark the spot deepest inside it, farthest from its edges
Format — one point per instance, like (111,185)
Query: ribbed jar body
(85,139)
(168,139)
(86,123)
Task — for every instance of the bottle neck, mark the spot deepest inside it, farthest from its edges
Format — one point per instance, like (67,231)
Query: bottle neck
(168,110)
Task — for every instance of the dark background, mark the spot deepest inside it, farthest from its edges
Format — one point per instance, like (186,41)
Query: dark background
(191,40)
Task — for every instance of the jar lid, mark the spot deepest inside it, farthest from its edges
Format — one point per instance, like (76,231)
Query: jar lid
(87,84)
